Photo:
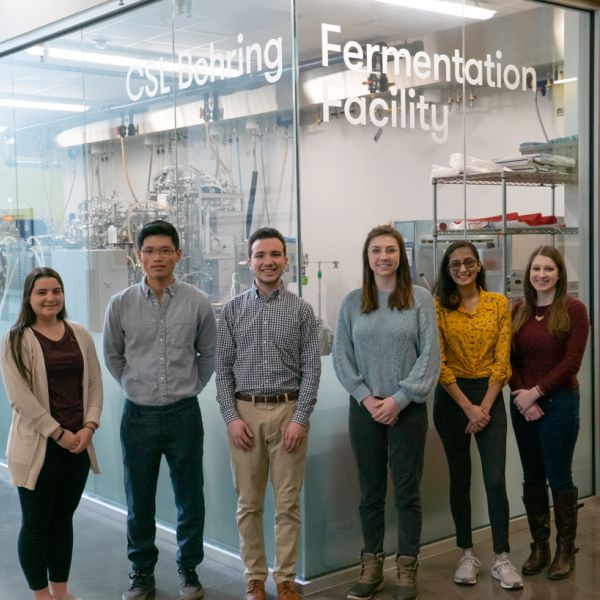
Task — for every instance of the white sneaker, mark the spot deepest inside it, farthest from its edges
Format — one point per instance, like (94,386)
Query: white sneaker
(504,572)
(467,568)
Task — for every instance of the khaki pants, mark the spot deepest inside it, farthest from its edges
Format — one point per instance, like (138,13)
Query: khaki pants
(250,473)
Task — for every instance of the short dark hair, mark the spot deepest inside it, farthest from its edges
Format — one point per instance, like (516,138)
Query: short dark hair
(445,287)
(158,227)
(266,233)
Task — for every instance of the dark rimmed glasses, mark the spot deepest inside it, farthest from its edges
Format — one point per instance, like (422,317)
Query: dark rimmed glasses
(469,264)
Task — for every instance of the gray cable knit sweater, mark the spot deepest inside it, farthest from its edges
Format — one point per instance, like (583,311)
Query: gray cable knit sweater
(388,352)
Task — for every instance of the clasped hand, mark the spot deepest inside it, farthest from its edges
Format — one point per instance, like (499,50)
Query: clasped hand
(383,410)
(75,442)
(478,417)
(526,403)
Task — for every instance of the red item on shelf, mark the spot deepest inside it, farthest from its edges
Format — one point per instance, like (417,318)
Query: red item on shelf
(549,220)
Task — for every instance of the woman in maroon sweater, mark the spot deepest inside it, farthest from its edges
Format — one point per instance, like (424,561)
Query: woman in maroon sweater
(550,331)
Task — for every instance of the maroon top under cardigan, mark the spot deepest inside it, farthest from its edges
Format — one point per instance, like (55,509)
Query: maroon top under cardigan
(552,363)
(64,368)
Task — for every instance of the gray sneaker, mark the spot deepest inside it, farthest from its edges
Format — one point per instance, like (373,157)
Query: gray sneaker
(371,577)
(141,586)
(504,572)
(467,568)
(190,587)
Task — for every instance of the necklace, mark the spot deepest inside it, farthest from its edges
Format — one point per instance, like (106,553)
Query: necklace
(537,316)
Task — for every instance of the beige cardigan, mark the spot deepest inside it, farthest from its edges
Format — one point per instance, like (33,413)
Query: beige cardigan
(32,422)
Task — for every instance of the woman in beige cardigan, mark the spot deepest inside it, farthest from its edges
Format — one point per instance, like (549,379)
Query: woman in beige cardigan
(54,385)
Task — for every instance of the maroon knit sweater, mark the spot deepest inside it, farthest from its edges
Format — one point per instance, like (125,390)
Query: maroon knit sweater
(552,363)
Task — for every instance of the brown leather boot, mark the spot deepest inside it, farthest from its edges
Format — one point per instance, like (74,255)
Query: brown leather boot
(286,590)
(565,515)
(255,590)
(537,505)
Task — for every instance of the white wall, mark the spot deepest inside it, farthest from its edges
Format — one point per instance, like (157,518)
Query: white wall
(350,183)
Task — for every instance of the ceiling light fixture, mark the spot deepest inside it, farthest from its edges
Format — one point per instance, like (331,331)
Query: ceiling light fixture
(42,105)
(117,60)
(78,56)
(444,7)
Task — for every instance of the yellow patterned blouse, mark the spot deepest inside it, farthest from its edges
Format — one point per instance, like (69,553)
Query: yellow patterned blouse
(476,344)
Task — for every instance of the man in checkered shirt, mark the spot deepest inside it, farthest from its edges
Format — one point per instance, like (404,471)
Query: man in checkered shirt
(267,374)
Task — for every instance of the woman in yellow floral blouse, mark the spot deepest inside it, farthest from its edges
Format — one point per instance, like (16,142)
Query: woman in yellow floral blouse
(475,329)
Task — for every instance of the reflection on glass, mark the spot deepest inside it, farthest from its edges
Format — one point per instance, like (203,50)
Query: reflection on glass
(187,113)
(391,95)
(155,114)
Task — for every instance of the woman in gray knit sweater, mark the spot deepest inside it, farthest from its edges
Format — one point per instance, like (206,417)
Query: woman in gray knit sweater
(386,355)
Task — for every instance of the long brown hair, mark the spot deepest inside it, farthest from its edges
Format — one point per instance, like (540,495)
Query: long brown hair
(559,321)
(27,317)
(402,296)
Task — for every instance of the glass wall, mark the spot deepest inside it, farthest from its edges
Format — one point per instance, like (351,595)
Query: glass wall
(217,118)
(394,98)
(181,111)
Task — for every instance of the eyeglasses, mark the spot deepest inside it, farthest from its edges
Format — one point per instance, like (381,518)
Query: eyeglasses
(157,251)
(469,264)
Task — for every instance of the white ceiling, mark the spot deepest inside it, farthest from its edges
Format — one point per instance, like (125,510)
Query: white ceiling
(521,27)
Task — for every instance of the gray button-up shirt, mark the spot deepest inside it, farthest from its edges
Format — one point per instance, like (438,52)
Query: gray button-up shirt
(267,345)
(160,352)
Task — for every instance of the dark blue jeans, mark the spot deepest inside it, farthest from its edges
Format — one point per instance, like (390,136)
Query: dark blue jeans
(546,446)
(402,446)
(148,432)
(451,422)
(46,536)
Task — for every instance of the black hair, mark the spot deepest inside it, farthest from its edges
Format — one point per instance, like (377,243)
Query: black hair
(158,227)
(445,287)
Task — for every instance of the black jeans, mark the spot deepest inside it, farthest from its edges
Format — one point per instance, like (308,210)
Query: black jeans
(451,422)
(46,538)
(148,432)
(402,446)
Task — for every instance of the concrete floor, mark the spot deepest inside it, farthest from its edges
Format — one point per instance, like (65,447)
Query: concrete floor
(100,567)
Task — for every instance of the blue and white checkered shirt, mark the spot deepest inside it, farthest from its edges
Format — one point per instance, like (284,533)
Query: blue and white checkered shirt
(160,352)
(267,345)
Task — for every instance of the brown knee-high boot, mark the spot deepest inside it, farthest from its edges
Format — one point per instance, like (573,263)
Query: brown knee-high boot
(537,505)
(565,514)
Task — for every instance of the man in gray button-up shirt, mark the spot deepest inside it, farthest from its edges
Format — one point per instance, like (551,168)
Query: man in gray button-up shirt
(159,344)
